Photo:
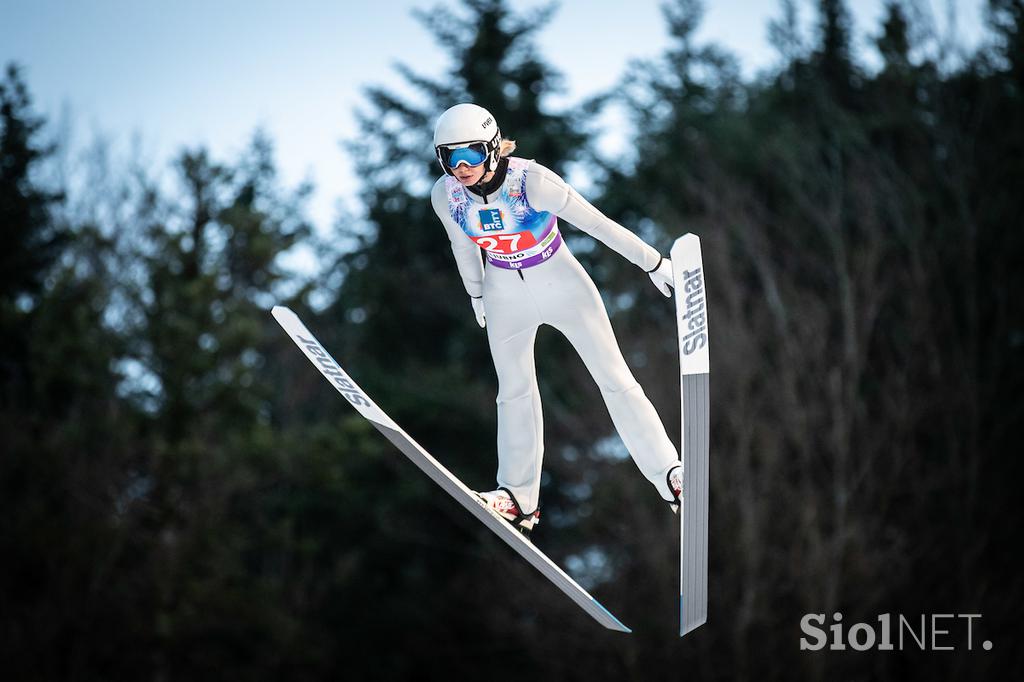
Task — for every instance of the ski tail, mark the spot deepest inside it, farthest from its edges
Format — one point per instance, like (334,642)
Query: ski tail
(694,363)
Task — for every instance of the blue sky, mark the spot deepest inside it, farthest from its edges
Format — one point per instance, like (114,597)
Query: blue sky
(191,72)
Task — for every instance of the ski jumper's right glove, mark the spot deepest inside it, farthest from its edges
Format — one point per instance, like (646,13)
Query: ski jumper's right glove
(662,277)
(478,309)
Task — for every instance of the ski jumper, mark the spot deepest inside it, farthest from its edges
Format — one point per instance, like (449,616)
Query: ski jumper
(531,278)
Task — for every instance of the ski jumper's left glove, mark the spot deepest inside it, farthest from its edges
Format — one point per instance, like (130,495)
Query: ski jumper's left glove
(662,277)
(478,310)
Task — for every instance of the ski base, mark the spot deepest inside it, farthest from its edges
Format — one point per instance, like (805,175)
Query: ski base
(343,383)
(692,320)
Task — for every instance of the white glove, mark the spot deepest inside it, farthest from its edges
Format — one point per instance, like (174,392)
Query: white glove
(662,277)
(478,310)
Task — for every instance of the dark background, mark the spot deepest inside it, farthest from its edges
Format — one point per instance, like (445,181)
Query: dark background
(185,498)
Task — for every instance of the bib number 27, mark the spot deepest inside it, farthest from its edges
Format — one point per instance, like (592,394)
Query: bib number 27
(506,243)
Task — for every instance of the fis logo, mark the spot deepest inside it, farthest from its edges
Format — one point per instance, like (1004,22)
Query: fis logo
(490,220)
(333,372)
(695,316)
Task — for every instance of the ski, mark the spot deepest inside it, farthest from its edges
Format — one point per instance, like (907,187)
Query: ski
(694,365)
(344,384)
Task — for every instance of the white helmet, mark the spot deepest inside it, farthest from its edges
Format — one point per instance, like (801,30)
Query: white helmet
(468,133)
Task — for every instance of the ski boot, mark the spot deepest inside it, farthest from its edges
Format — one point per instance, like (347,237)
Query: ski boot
(675,484)
(503,502)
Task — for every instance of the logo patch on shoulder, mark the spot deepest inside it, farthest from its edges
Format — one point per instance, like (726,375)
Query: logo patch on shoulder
(491,220)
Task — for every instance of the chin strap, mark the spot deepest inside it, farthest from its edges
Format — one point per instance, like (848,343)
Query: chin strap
(482,188)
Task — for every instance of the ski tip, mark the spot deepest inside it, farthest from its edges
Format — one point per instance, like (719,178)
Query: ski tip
(688,240)
(281,312)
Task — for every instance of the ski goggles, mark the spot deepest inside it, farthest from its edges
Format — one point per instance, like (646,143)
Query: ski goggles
(472,154)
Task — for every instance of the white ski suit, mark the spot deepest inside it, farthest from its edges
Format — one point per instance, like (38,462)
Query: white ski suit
(531,279)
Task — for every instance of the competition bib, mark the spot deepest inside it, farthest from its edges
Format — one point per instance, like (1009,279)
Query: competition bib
(512,233)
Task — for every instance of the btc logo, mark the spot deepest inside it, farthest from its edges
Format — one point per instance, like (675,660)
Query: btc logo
(490,220)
